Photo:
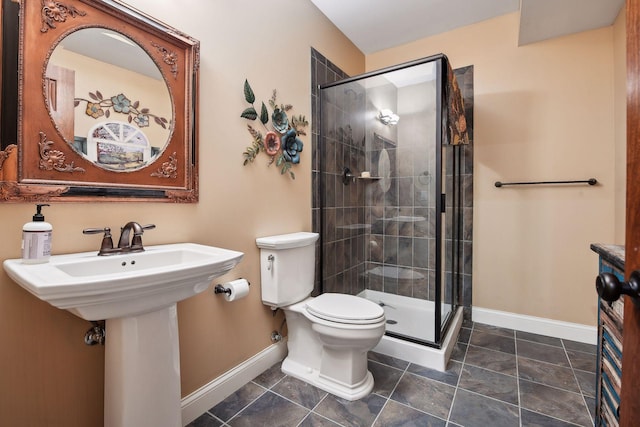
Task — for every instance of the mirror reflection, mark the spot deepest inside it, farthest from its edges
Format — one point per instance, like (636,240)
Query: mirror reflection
(108,99)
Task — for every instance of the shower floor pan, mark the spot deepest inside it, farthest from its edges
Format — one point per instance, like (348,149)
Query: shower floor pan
(415,318)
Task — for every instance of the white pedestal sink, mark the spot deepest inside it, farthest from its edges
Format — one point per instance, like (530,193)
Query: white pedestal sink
(136,294)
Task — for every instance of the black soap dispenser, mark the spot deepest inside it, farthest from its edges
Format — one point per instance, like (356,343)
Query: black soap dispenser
(36,239)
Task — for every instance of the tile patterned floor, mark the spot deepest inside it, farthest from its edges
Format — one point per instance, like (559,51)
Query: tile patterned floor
(496,377)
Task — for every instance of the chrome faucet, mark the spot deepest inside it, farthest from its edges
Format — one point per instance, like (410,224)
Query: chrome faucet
(125,244)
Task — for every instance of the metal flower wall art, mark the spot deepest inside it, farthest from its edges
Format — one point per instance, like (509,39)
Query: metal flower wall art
(280,141)
(99,106)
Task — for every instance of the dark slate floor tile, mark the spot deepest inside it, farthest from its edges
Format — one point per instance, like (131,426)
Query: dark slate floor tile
(300,392)
(271,376)
(464,335)
(543,352)
(270,410)
(546,373)
(489,383)
(493,341)
(554,402)
(580,346)
(541,339)
(315,420)
(396,415)
(497,361)
(388,360)
(495,330)
(359,413)
(459,352)
(385,378)
(238,400)
(533,419)
(556,381)
(412,389)
(587,382)
(582,361)
(205,420)
(450,376)
(591,404)
(474,410)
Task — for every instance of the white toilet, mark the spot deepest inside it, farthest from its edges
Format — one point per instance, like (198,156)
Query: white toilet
(329,335)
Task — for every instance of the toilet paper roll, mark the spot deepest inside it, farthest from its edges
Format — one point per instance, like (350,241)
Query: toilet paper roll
(239,289)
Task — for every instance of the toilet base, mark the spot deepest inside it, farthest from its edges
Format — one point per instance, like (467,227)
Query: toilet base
(313,377)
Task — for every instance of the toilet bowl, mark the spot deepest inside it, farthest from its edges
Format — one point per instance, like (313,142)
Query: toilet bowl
(329,335)
(332,354)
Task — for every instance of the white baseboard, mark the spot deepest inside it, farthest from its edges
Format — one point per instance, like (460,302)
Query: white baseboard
(536,325)
(209,395)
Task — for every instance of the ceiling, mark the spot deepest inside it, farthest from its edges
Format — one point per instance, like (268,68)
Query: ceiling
(374,25)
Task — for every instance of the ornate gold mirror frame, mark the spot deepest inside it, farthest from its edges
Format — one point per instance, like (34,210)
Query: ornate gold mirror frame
(72,141)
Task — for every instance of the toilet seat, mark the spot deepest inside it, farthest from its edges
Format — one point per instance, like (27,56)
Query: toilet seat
(342,308)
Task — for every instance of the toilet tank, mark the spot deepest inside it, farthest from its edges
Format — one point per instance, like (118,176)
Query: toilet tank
(287,267)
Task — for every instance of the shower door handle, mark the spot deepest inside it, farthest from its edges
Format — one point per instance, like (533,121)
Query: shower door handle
(609,288)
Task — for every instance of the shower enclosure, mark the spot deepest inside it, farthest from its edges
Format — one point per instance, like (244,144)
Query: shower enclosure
(390,195)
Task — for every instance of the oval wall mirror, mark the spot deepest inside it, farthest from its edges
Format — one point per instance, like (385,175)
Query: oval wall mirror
(108,99)
(107,104)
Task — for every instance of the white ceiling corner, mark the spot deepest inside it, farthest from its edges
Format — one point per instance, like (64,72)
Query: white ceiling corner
(547,19)
(374,25)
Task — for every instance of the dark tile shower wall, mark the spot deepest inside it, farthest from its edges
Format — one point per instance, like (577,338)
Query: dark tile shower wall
(343,146)
(402,239)
(402,211)
(464,76)
(351,248)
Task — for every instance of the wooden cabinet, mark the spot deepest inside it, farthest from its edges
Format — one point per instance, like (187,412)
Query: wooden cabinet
(610,333)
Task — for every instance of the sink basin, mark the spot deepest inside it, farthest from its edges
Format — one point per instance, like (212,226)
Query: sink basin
(105,287)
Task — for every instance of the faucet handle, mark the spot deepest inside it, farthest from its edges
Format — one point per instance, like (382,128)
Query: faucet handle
(107,241)
(136,241)
(106,231)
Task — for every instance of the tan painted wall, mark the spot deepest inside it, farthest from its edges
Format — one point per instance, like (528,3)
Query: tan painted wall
(542,112)
(620,109)
(48,376)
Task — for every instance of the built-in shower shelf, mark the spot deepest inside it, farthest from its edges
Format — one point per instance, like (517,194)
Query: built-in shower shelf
(405,218)
(355,227)
(348,177)
(395,272)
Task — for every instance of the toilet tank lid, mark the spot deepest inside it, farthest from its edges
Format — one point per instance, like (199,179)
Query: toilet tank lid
(287,241)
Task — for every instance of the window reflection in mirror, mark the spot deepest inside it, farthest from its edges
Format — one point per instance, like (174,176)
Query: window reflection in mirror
(108,99)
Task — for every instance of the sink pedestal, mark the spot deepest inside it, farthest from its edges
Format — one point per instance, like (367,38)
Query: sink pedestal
(142,370)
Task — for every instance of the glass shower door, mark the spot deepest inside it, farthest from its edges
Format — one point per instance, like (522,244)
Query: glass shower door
(388,197)
(451,233)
